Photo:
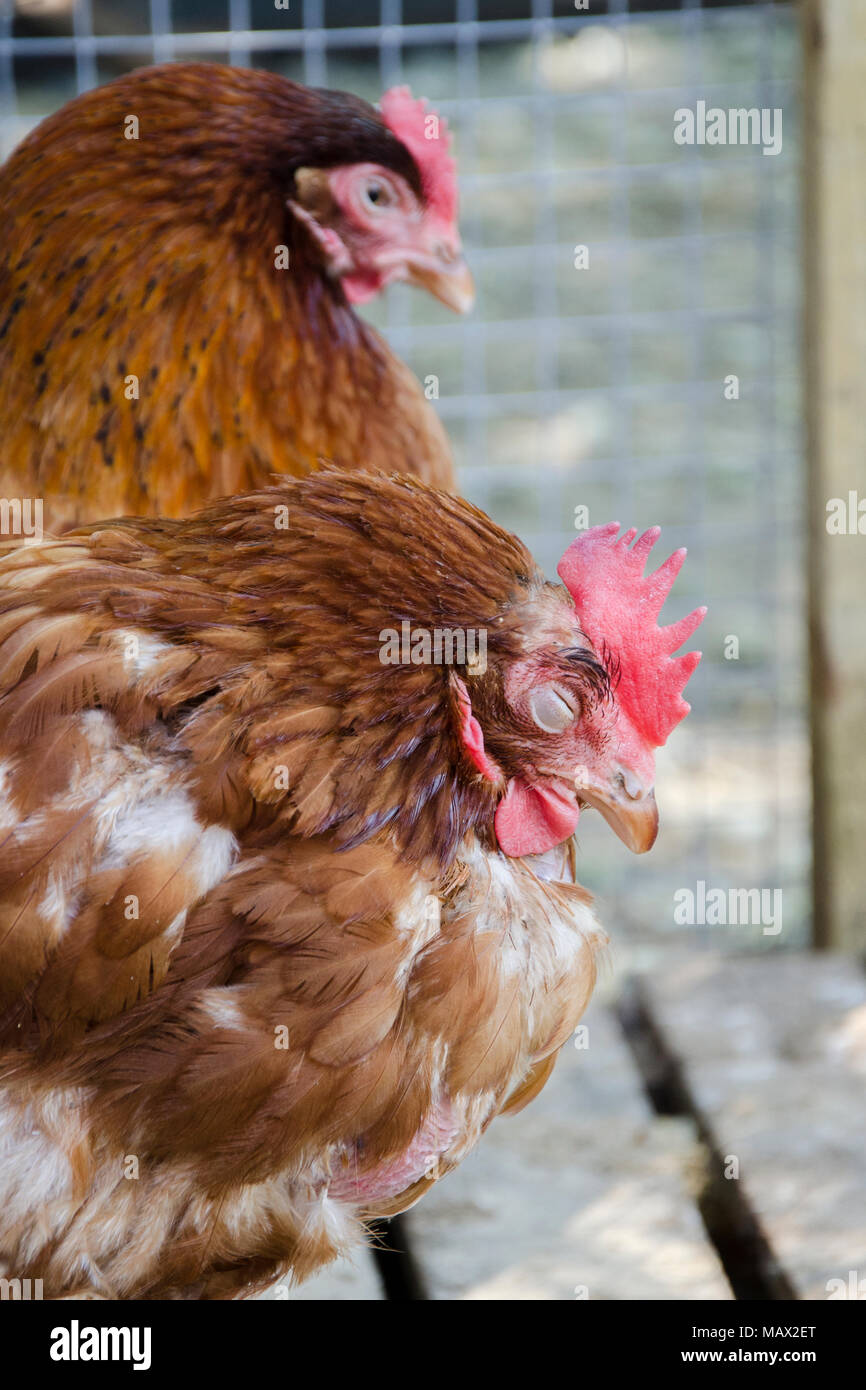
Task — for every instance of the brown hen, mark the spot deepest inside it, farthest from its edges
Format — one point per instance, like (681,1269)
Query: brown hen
(180,253)
(287,898)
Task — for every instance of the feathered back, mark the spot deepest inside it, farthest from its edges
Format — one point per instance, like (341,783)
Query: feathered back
(266,615)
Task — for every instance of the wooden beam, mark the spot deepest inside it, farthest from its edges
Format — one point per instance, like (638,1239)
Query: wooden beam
(585,1194)
(772,1051)
(834,131)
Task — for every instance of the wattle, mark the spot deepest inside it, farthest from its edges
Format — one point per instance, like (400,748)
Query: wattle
(532,820)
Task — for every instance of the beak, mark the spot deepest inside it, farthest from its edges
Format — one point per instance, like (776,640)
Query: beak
(628,808)
(445,274)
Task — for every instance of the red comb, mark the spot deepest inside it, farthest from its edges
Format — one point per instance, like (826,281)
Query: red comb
(408,120)
(618,606)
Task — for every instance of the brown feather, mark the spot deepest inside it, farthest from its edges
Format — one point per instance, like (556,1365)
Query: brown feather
(284,1002)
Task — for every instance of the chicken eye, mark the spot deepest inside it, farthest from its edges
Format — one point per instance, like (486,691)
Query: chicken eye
(549,710)
(375,195)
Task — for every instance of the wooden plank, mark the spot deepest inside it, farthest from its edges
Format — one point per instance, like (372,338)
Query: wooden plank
(773,1052)
(586,1190)
(834,188)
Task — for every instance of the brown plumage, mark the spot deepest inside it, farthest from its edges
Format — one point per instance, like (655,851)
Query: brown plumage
(158,348)
(267,969)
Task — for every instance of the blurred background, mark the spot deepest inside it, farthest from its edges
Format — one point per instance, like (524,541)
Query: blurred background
(588,386)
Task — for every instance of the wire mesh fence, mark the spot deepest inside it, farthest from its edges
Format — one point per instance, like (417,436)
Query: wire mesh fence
(624,282)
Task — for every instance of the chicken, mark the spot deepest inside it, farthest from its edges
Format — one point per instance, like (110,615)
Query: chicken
(180,253)
(287,899)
